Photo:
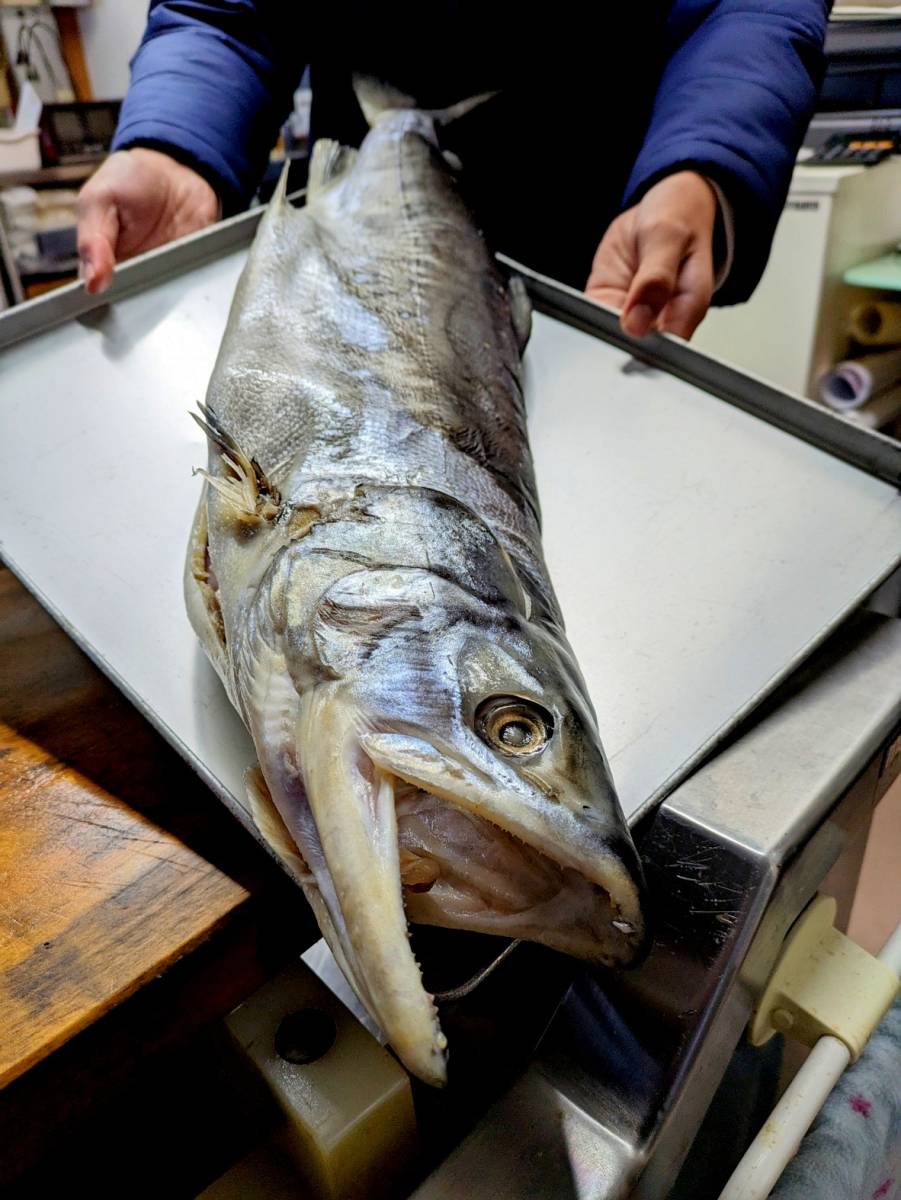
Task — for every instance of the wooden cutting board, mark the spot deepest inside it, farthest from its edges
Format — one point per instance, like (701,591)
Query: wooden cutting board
(116,864)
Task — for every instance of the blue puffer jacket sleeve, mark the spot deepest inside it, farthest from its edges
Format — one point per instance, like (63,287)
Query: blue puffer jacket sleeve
(734,101)
(211,83)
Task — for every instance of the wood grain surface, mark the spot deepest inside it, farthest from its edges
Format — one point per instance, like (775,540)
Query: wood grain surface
(115,861)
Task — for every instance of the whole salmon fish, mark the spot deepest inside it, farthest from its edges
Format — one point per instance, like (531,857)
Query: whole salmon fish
(366,575)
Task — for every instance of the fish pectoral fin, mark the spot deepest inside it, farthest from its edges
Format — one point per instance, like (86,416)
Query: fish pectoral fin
(520,310)
(328,162)
(272,827)
(202,601)
(243,483)
(210,425)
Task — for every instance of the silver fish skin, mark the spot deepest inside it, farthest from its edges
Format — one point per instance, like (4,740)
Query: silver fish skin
(365,573)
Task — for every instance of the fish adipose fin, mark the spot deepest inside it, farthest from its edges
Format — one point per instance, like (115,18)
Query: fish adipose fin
(376,97)
(328,162)
(243,484)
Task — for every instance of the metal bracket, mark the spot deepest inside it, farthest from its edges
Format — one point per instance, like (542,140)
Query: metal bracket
(824,984)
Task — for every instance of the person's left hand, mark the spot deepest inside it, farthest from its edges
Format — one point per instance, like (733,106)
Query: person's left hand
(655,263)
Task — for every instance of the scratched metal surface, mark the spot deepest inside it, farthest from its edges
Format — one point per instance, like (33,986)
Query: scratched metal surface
(698,552)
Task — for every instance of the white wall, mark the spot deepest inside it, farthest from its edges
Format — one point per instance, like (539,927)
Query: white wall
(110,32)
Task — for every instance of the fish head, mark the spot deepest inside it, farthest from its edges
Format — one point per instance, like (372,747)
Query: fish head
(478,716)
(497,810)
(437,762)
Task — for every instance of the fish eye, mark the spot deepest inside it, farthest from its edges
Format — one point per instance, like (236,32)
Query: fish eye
(514,726)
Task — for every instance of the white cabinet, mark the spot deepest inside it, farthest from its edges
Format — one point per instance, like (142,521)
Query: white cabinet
(793,327)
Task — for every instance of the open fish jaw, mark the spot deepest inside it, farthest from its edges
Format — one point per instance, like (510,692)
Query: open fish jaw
(462,872)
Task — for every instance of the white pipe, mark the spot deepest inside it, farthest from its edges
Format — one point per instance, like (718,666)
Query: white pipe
(890,953)
(778,1141)
(769,1154)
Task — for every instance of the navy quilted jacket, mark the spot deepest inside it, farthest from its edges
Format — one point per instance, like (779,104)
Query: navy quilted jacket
(597,102)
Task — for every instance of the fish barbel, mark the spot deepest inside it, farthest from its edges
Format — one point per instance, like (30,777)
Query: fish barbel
(365,573)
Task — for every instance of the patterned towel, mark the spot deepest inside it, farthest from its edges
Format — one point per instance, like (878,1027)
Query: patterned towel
(853,1149)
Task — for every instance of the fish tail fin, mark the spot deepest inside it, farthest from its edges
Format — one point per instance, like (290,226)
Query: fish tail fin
(376,97)
(328,162)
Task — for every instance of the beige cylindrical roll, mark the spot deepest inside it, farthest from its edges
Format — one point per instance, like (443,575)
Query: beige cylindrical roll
(879,411)
(876,323)
(851,383)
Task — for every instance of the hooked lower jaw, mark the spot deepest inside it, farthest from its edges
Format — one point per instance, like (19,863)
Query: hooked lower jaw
(353,806)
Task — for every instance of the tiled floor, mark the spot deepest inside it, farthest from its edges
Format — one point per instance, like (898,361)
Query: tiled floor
(877,904)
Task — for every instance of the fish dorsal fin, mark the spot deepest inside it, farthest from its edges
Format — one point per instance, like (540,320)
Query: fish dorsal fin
(272,827)
(328,162)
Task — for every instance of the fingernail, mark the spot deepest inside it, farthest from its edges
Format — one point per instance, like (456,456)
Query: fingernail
(639,320)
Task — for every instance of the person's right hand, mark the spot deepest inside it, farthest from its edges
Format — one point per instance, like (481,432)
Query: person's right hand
(137,200)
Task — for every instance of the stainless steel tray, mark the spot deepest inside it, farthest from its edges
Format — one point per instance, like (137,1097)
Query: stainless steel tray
(699,551)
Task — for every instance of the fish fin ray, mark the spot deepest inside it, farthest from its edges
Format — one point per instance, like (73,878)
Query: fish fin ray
(209,423)
(328,162)
(244,485)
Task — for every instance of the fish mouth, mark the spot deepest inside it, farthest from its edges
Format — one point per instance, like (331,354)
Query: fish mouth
(460,871)
(474,858)
(412,833)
